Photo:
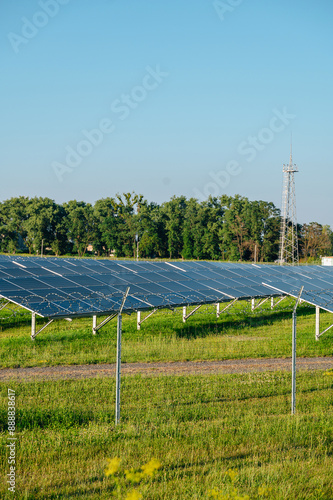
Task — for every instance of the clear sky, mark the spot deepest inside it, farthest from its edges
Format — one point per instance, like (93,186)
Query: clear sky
(167,98)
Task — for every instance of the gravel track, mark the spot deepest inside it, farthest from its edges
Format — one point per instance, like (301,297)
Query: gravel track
(159,369)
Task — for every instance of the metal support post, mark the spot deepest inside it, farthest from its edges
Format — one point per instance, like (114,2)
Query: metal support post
(317,322)
(33,326)
(252,304)
(226,307)
(218,310)
(259,304)
(184,314)
(190,313)
(118,367)
(293,366)
(118,364)
(272,302)
(104,322)
(140,321)
(94,325)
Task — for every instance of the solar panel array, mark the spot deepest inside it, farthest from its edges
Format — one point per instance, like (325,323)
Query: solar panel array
(57,287)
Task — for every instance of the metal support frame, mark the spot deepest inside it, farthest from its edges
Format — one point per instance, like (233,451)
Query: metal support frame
(118,363)
(33,326)
(4,305)
(318,332)
(253,306)
(293,362)
(186,316)
(96,327)
(219,312)
(278,302)
(139,321)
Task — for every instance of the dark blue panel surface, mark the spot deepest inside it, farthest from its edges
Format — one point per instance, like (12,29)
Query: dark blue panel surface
(65,287)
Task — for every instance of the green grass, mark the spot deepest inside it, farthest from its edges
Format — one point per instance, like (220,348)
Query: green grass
(198,427)
(163,337)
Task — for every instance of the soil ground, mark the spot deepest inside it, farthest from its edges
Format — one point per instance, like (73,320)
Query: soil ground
(158,369)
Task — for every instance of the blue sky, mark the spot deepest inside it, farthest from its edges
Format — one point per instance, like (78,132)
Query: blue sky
(167,98)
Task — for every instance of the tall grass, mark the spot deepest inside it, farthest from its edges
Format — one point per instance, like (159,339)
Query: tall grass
(198,427)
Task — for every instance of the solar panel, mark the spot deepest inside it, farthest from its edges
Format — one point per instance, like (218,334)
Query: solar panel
(57,287)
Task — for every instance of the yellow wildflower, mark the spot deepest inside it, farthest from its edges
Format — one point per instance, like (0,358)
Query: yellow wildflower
(264,491)
(134,477)
(151,467)
(214,493)
(113,466)
(232,474)
(133,495)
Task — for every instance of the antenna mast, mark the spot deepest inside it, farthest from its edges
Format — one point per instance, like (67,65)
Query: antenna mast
(288,253)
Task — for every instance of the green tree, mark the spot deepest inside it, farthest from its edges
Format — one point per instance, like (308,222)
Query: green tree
(263,219)
(202,225)
(235,232)
(80,222)
(316,240)
(126,209)
(44,225)
(151,231)
(174,213)
(13,216)
(106,234)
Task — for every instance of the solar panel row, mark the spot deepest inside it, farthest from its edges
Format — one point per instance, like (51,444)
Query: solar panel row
(55,287)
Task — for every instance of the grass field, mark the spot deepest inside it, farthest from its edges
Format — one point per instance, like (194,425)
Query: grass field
(239,333)
(199,427)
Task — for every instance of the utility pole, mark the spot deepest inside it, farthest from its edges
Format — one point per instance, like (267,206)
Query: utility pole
(137,247)
(288,252)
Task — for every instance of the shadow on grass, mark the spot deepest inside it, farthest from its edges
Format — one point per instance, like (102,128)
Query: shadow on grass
(201,328)
(57,419)
(7,323)
(217,327)
(86,492)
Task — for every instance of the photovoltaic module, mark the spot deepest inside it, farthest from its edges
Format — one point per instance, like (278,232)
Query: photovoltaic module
(58,287)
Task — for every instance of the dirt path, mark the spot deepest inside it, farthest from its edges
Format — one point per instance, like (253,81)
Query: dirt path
(156,369)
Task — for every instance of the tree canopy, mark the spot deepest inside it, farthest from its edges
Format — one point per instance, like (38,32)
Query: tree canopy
(220,228)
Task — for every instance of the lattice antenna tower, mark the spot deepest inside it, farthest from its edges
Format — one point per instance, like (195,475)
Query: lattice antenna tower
(288,253)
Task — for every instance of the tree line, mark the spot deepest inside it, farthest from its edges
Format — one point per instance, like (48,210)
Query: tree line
(220,228)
